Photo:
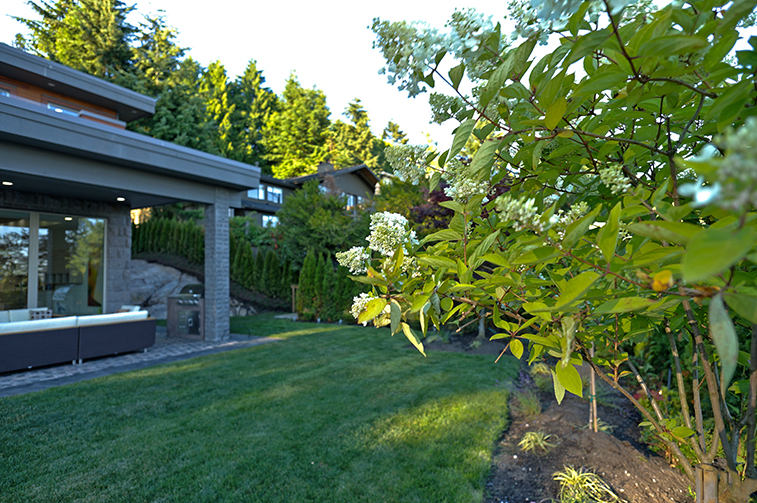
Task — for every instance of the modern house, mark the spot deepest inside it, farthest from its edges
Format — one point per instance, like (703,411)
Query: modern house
(70,175)
(357,183)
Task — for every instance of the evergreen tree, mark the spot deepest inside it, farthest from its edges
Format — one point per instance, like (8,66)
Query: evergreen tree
(271,273)
(219,108)
(259,274)
(88,35)
(295,136)
(354,143)
(305,292)
(253,105)
(393,134)
(248,265)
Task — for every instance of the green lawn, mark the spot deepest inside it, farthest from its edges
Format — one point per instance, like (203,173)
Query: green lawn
(332,414)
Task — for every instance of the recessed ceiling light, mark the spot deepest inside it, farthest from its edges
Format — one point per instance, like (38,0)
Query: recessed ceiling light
(120,199)
(8,183)
(68,219)
(51,84)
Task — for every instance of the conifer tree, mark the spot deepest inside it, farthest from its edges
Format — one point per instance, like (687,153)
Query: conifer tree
(271,274)
(259,276)
(219,107)
(354,143)
(248,266)
(88,35)
(295,136)
(253,105)
(305,292)
(393,134)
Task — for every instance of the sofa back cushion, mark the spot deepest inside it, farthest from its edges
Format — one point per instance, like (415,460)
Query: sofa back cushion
(104,319)
(19,315)
(37,325)
(4,317)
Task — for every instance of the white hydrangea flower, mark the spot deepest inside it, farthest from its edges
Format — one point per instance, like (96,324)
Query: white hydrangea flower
(612,176)
(523,212)
(461,187)
(737,175)
(389,231)
(355,259)
(565,218)
(407,161)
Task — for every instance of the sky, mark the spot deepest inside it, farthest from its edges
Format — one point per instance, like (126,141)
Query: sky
(327,44)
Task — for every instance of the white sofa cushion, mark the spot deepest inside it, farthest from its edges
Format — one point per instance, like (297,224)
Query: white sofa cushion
(19,315)
(104,319)
(4,317)
(126,308)
(36,325)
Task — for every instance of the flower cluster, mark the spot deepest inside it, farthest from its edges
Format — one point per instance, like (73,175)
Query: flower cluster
(523,212)
(355,259)
(460,186)
(389,231)
(612,176)
(407,161)
(565,218)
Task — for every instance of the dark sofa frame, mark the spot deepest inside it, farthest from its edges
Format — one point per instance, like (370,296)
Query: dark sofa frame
(25,350)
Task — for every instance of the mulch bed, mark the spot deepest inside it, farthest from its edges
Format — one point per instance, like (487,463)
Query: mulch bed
(635,473)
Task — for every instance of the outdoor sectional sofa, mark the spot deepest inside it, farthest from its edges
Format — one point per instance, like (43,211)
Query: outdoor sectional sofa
(27,342)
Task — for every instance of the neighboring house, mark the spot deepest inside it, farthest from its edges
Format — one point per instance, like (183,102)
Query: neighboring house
(357,183)
(70,175)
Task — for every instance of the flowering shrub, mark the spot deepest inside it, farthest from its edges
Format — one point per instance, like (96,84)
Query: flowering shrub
(604,236)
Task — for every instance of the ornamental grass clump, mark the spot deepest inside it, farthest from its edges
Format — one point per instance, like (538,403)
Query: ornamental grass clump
(533,440)
(583,486)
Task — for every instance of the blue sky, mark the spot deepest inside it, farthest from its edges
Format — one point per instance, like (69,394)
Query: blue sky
(327,43)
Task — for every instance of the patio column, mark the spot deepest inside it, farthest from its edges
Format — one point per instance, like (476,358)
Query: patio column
(217,267)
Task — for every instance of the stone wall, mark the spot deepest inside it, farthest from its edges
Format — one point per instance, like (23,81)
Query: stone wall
(150,284)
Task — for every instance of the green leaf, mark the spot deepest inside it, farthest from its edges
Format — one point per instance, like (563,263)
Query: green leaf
(482,248)
(395,315)
(537,255)
(456,75)
(484,156)
(605,81)
(721,48)
(577,229)
(559,388)
(419,301)
(570,379)
(438,262)
(733,94)
(372,309)
(412,338)
(712,251)
(516,348)
(672,232)
(496,259)
(624,305)
(682,432)
(726,342)
(369,280)
(575,288)
(443,235)
(555,113)
(744,305)
(672,45)
(462,133)
(586,44)
(608,235)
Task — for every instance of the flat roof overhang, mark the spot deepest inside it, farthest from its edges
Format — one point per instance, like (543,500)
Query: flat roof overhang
(22,66)
(46,152)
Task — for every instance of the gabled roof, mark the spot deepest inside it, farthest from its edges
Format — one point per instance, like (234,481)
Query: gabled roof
(24,67)
(361,170)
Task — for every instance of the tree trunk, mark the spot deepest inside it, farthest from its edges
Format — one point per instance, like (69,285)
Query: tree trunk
(720,486)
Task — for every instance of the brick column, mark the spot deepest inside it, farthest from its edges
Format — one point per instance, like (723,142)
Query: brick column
(119,255)
(217,267)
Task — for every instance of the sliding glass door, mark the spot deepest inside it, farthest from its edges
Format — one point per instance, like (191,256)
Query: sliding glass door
(66,255)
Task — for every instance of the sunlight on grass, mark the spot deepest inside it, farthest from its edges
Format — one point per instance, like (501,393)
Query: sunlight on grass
(334,414)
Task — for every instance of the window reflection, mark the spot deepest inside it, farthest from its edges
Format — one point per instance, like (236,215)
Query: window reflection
(14,259)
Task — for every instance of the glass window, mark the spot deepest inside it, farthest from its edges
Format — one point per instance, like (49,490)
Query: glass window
(14,259)
(4,92)
(252,194)
(62,109)
(350,201)
(274,195)
(71,264)
(270,221)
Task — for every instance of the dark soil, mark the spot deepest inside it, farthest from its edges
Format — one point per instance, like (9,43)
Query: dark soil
(635,473)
